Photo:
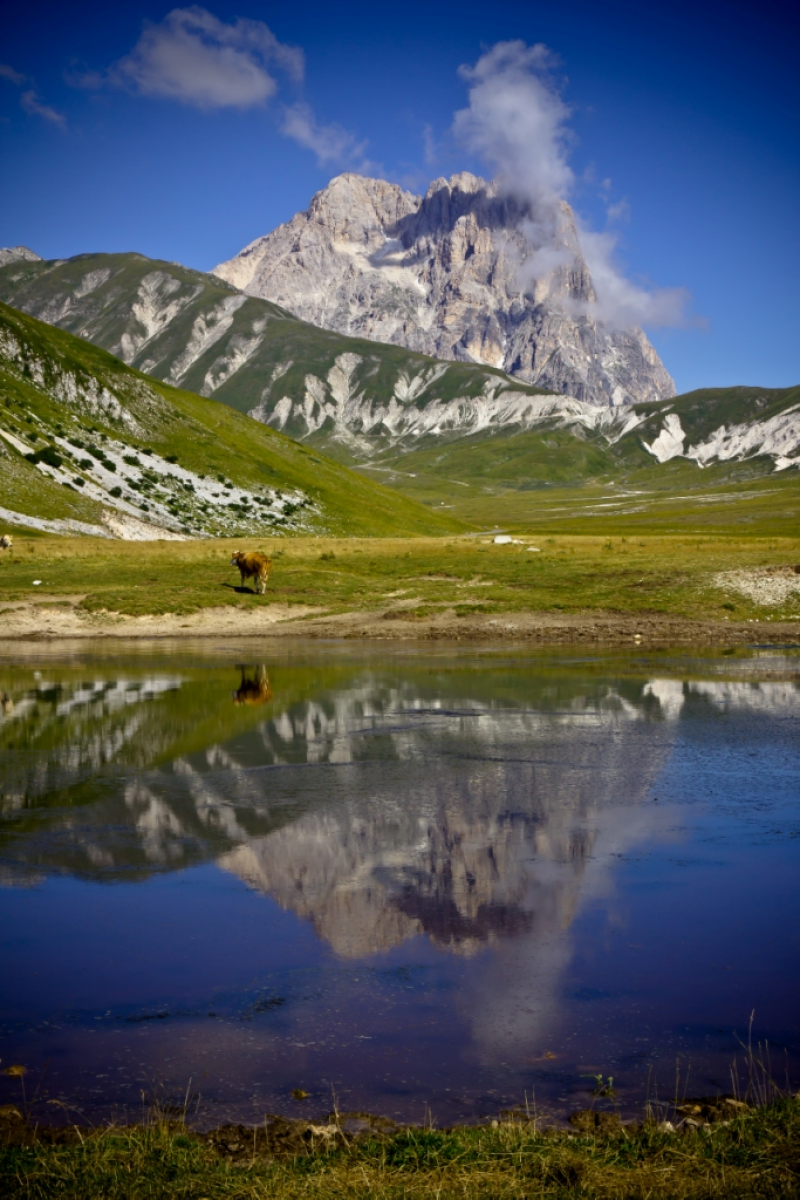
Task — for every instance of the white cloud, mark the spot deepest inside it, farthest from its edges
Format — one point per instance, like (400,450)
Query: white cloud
(193,57)
(620,302)
(619,212)
(332,144)
(430,149)
(196,59)
(517,122)
(7,72)
(32,105)
(30,100)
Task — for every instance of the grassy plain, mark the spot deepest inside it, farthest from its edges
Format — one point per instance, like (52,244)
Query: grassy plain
(410,578)
(755,1155)
(720,500)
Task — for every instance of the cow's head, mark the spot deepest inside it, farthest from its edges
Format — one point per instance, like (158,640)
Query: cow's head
(236,558)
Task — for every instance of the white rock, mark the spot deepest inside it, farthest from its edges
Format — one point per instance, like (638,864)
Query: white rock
(451,274)
(669,443)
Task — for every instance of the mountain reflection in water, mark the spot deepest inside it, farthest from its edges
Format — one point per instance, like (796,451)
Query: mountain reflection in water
(479,810)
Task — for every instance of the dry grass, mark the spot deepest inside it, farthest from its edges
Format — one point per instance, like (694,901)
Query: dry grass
(754,1155)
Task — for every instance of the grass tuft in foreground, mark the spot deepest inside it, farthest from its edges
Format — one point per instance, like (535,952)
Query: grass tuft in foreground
(755,1154)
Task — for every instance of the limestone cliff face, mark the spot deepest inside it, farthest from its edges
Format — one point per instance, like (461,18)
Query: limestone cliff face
(452,274)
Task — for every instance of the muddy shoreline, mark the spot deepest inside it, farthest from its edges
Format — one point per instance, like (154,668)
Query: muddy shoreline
(53,619)
(277,1134)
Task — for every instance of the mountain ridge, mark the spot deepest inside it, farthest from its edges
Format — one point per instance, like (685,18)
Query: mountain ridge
(365,402)
(451,274)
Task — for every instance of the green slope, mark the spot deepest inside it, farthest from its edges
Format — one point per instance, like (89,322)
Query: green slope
(120,442)
(195,330)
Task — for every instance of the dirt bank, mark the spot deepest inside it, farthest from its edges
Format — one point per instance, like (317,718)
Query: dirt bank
(48,618)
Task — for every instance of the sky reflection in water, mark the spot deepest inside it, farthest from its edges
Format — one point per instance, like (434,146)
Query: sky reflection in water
(407,879)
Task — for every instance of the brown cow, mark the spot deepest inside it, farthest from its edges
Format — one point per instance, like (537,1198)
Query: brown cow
(253,691)
(253,566)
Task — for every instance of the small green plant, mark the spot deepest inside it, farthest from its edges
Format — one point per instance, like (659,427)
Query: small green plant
(602,1087)
(48,455)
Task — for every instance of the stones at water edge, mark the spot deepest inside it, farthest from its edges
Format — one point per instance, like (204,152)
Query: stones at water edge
(450,274)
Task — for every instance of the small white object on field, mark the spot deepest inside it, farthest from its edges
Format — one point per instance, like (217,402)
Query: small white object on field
(534,550)
(505,539)
(36,582)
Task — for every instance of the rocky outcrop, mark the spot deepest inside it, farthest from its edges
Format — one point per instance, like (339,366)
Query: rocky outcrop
(10,254)
(452,274)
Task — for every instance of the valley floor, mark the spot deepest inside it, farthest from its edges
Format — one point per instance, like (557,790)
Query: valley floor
(642,589)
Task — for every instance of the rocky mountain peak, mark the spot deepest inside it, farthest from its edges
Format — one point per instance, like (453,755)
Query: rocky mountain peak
(10,254)
(354,207)
(466,272)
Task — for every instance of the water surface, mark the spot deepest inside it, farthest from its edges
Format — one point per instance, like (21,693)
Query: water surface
(415,880)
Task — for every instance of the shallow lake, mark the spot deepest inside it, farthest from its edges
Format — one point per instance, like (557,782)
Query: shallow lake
(412,880)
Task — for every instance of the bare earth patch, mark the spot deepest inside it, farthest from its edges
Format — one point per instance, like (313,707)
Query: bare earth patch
(57,619)
(45,619)
(769,586)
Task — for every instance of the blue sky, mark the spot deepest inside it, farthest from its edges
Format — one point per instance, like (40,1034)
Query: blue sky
(678,130)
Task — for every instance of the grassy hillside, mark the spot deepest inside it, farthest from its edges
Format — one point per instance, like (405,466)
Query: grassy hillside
(186,327)
(111,440)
